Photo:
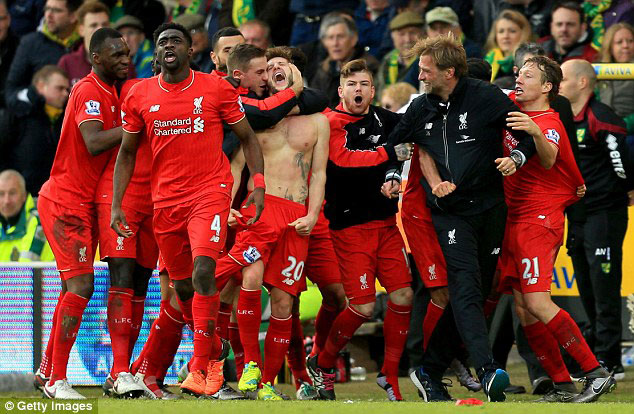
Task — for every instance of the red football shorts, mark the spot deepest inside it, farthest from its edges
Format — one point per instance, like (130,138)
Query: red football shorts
(190,229)
(426,251)
(528,257)
(321,264)
(367,251)
(285,266)
(72,235)
(252,243)
(141,246)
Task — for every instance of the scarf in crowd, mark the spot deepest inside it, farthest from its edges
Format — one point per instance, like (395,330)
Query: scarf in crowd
(193,8)
(242,12)
(499,63)
(594,14)
(67,42)
(391,75)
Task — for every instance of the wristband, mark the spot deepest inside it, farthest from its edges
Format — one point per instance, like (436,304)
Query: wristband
(258,181)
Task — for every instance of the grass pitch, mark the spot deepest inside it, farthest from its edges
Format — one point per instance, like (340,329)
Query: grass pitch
(365,398)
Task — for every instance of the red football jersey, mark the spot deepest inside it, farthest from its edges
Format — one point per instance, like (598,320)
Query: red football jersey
(414,203)
(183,124)
(138,195)
(75,171)
(537,195)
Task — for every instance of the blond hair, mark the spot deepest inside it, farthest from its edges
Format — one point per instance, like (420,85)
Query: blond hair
(515,17)
(605,54)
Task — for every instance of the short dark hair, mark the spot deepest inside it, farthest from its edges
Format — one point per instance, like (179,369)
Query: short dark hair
(570,5)
(100,36)
(91,7)
(241,55)
(524,49)
(551,72)
(479,69)
(171,25)
(355,66)
(46,71)
(224,32)
(279,51)
(73,5)
(299,58)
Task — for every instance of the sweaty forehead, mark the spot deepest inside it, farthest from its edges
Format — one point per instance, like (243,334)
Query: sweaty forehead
(278,59)
(170,34)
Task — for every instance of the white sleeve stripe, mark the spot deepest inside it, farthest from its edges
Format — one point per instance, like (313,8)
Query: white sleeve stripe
(232,123)
(90,119)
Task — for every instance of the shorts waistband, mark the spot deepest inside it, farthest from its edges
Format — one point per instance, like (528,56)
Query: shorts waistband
(282,202)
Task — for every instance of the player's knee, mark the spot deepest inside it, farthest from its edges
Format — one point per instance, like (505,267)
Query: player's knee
(141,279)
(403,296)
(334,296)
(203,275)
(366,309)
(252,276)
(82,285)
(121,272)
(282,307)
(184,289)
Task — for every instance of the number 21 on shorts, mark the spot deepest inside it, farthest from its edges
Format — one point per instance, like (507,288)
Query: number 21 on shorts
(530,276)
(293,272)
(216,226)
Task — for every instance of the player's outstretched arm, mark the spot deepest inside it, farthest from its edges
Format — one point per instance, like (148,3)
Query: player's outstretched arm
(97,139)
(317,187)
(123,170)
(255,162)
(546,150)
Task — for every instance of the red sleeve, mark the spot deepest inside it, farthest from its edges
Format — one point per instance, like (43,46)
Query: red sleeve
(88,103)
(344,157)
(271,102)
(228,101)
(131,113)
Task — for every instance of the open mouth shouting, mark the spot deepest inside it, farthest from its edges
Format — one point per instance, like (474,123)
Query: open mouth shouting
(169,56)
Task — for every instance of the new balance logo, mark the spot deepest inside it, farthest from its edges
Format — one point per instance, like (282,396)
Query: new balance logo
(496,250)
(155,108)
(452,236)
(289,281)
(199,125)
(214,239)
(602,252)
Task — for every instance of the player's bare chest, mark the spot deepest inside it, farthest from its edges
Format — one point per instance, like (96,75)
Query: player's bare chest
(290,134)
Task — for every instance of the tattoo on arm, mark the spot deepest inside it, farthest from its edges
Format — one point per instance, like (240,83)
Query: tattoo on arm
(401,151)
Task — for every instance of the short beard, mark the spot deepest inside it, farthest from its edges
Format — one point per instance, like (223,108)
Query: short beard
(289,83)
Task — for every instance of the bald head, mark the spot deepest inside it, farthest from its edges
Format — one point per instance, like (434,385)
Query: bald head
(578,81)
(12,193)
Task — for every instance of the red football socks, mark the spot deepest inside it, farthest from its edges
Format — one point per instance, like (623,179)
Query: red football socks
(71,309)
(249,314)
(47,358)
(162,343)
(278,338)
(569,336)
(120,325)
(325,318)
(296,356)
(342,330)
(204,312)
(224,315)
(138,308)
(433,315)
(236,346)
(395,328)
(546,349)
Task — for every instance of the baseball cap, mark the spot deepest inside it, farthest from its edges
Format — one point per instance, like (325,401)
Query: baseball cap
(442,14)
(190,21)
(406,19)
(128,21)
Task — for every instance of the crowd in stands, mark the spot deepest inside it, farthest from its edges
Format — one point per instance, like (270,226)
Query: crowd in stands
(43,48)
